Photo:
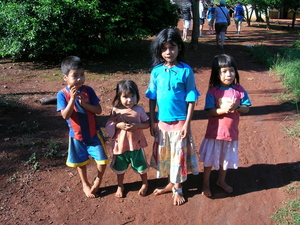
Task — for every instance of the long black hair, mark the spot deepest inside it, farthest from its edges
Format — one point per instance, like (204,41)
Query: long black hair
(221,61)
(168,35)
(126,86)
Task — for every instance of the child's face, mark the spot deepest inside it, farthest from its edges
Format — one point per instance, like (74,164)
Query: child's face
(128,100)
(75,78)
(169,53)
(227,75)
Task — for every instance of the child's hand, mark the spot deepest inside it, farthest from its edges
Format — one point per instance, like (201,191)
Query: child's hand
(132,127)
(153,129)
(124,126)
(73,92)
(233,107)
(184,132)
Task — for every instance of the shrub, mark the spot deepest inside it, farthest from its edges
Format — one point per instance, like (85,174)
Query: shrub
(35,28)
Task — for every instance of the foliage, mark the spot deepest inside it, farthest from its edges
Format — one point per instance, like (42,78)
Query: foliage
(289,214)
(33,161)
(8,103)
(53,150)
(287,65)
(36,28)
(296,44)
(260,54)
(23,127)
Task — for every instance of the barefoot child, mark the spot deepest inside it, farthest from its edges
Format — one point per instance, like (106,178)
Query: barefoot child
(126,126)
(78,105)
(172,88)
(225,100)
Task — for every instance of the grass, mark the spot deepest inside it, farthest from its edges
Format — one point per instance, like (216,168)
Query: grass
(286,65)
(289,213)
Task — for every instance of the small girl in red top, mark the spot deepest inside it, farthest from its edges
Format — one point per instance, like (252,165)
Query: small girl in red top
(125,127)
(225,100)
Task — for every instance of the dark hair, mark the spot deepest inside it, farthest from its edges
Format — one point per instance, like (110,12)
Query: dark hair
(221,61)
(71,63)
(168,35)
(126,86)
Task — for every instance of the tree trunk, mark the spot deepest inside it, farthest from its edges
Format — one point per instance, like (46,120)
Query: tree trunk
(248,18)
(267,18)
(195,32)
(294,18)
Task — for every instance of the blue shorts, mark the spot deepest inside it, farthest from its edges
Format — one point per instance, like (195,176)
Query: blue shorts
(79,151)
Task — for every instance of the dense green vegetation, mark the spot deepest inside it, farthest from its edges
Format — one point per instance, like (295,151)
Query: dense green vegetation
(35,28)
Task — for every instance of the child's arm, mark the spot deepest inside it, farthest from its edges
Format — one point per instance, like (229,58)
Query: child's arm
(243,109)
(67,112)
(152,105)
(133,126)
(96,109)
(186,127)
(229,109)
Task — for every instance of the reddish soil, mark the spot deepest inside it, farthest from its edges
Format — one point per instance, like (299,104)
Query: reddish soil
(269,158)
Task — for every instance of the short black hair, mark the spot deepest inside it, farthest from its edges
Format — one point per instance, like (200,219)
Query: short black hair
(71,63)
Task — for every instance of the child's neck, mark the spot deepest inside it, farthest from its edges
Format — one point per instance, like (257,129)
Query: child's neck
(171,64)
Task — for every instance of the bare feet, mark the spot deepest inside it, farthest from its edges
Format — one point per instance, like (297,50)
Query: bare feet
(143,190)
(178,198)
(206,190)
(87,190)
(96,186)
(119,193)
(159,191)
(225,186)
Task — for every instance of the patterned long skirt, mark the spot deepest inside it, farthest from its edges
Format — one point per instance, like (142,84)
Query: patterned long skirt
(173,156)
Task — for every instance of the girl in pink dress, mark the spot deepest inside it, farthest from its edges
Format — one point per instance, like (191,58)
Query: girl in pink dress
(225,100)
(125,127)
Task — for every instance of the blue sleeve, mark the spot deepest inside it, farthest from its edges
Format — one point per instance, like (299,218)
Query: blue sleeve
(61,101)
(246,100)
(151,91)
(209,102)
(191,90)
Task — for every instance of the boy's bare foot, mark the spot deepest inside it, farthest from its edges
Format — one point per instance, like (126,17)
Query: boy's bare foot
(96,186)
(88,192)
(143,190)
(119,193)
(225,186)
(178,198)
(159,191)
(206,190)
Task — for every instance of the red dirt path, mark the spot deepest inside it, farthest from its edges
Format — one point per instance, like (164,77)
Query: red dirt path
(269,158)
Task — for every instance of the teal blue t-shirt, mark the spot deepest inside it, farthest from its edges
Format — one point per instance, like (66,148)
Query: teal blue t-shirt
(172,88)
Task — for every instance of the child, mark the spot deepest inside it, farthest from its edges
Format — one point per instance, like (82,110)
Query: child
(210,18)
(172,88)
(78,105)
(126,126)
(225,100)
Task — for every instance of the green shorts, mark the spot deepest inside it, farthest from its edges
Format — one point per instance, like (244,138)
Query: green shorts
(136,158)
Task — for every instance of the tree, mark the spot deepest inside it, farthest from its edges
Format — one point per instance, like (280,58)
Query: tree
(294,6)
(37,28)
(195,32)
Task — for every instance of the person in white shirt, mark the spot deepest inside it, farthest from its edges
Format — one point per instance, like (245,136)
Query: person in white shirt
(202,17)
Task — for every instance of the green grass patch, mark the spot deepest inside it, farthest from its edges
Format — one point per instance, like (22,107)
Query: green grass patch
(289,213)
